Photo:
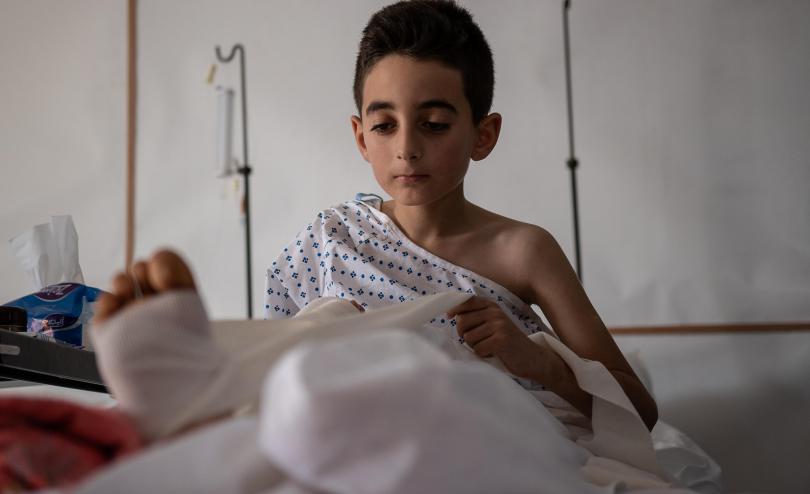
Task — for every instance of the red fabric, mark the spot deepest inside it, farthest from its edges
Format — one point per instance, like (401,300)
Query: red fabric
(46,442)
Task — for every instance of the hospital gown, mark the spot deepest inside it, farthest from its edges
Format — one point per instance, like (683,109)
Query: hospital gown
(355,251)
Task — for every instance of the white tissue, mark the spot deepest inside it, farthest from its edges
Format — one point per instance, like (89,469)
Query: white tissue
(49,253)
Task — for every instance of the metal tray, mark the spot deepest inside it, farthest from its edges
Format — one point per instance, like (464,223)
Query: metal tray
(45,362)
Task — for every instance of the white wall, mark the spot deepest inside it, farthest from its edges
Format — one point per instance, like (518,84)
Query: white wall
(691,121)
(62,129)
(694,124)
(690,116)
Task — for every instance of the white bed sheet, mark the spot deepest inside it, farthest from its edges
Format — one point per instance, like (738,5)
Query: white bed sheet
(386,412)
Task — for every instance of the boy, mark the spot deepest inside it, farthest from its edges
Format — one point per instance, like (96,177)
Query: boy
(423,88)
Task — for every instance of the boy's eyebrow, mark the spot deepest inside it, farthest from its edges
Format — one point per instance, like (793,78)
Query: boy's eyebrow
(377,106)
(438,103)
(431,103)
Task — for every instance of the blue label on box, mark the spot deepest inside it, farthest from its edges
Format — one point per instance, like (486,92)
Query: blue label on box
(59,310)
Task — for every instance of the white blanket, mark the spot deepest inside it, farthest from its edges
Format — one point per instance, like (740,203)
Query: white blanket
(361,403)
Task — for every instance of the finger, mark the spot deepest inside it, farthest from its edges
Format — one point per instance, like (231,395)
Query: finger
(487,347)
(475,303)
(477,335)
(168,271)
(141,274)
(468,321)
(106,307)
(358,306)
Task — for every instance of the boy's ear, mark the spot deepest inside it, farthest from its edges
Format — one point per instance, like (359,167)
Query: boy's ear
(359,137)
(487,132)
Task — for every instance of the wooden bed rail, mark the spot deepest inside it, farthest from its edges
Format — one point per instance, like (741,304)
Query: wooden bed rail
(776,327)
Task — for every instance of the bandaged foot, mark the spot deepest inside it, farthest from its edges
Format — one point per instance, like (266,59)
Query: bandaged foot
(153,345)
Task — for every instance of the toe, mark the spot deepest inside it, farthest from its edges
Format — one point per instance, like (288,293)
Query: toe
(168,271)
(123,287)
(106,307)
(141,273)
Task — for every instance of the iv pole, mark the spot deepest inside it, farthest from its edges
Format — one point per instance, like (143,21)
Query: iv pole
(572,161)
(244,169)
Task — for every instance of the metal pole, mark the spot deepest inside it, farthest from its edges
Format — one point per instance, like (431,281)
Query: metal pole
(572,161)
(245,169)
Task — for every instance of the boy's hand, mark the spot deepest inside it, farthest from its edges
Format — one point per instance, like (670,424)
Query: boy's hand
(490,332)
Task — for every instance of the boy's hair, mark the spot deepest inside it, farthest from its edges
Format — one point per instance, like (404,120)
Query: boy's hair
(436,30)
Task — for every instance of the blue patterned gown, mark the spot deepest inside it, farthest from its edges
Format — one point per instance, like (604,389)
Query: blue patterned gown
(355,251)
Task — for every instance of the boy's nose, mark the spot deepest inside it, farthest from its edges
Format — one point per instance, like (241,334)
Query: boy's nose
(409,155)
(408,148)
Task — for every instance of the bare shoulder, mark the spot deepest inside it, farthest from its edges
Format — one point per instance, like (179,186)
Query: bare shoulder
(534,250)
(531,238)
(522,242)
(529,255)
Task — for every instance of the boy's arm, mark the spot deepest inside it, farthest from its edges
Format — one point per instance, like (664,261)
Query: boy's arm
(558,292)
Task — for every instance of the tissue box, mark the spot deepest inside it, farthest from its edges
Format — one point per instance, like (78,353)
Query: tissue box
(61,312)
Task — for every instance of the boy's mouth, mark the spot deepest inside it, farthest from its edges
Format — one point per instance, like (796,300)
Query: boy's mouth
(411,178)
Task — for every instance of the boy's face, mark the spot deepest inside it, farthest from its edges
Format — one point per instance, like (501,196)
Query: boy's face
(416,129)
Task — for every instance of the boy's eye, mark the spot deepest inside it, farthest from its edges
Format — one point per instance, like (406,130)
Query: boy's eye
(382,128)
(436,126)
